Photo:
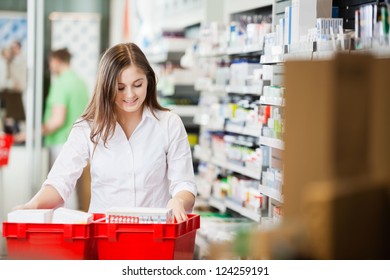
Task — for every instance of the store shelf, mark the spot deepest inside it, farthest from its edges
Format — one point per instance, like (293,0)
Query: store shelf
(270,192)
(272,142)
(271,59)
(242,50)
(324,55)
(157,58)
(210,125)
(254,90)
(202,154)
(242,211)
(182,20)
(302,55)
(273,101)
(213,89)
(236,168)
(217,53)
(243,130)
(185,110)
(218,204)
(241,143)
(234,6)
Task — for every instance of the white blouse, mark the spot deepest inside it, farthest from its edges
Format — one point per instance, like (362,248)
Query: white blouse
(143,171)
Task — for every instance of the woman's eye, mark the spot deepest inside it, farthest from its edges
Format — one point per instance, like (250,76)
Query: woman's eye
(138,85)
(121,88)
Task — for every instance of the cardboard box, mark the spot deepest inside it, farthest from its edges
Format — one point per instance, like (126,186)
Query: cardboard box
(380,121)
(327,123)
(348,219)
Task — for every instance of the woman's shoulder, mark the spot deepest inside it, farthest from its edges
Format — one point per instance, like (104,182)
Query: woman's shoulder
(82,124)
(166,115)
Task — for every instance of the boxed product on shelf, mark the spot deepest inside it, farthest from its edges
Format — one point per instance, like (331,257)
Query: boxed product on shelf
(240,69)
(222,73)
(272,178)
(276,159)
(254,159)
(277,214)
(218,146)
(233,153)
(275,124)
(266,155)
(273,91)
(220,188)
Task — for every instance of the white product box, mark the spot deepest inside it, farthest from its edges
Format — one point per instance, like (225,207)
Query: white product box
(303,17)
(68,216)
(30,216)
(139,215)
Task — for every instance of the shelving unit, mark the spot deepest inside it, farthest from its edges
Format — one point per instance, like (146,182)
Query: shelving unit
(254,90)
(206,154)
(218,204)
(244,50)
(236,168)
(184,110)
(243,130)
(242,211)
(272,142)
(272,101)
(272,193)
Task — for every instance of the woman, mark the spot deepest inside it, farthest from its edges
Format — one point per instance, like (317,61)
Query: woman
(138,151)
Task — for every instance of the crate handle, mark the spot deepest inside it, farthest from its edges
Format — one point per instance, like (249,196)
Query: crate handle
(68,232)
(158,231)
(21,233)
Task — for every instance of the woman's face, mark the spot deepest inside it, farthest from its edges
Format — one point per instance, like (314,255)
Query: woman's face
(131,90)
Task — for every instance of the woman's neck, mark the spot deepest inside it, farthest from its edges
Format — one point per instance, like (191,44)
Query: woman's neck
(129,121)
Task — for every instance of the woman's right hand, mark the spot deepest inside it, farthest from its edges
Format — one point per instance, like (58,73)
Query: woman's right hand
(46,198)
(28,205)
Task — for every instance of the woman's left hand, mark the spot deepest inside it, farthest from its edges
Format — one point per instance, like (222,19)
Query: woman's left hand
(177,206)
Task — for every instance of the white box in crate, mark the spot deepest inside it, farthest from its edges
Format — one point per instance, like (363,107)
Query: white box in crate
(30,216)
(139,215)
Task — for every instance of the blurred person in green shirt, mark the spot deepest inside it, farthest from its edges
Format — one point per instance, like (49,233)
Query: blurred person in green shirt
(68,97)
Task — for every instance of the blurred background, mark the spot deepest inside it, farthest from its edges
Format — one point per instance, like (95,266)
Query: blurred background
(285,102)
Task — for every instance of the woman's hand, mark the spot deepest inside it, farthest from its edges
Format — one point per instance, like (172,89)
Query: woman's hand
(177,206)
(181,203)
(46,198)
(28,205)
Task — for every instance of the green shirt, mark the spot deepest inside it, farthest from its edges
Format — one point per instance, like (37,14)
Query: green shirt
(67,89)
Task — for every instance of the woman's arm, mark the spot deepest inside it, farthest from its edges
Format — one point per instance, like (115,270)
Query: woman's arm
(46,198)
(180,170)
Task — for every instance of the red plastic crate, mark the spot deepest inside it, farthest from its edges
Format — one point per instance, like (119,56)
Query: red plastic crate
(49,241)
(146,241)
(6,141)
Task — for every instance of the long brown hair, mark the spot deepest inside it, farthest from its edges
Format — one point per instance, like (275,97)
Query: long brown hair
(100,111)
